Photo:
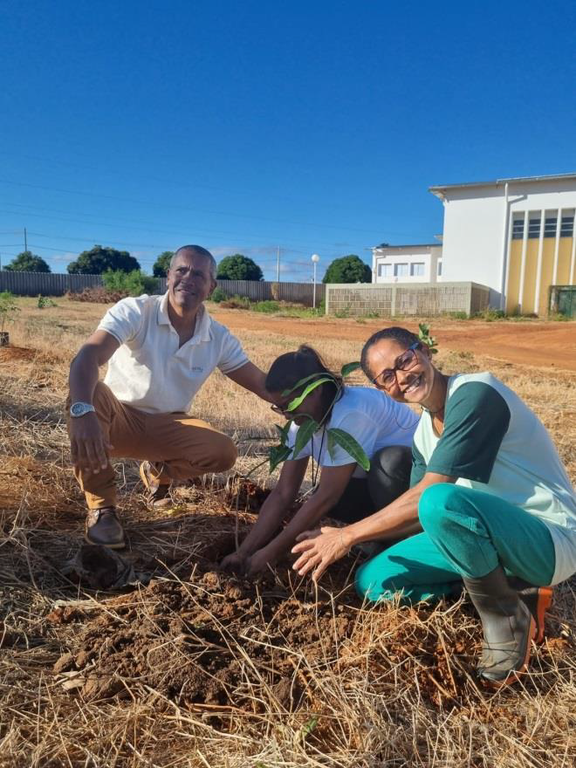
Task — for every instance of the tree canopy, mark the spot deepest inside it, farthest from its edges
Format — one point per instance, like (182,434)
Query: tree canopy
(100,259)
(162,263)
(239,267)
(348,269)
(27,262)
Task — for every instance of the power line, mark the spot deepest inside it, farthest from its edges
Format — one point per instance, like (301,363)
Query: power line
(182,207)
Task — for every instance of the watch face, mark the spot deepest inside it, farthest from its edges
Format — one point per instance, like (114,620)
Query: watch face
(78,409)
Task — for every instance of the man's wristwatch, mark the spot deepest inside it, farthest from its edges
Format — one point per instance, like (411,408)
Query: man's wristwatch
(81,409)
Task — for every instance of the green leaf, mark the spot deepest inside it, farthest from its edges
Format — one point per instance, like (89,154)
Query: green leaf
(330,444)
(349,368)
(278,454)
(301,383)
(293,404)
(305,432)
(309,726)
(351,446)
(283,431)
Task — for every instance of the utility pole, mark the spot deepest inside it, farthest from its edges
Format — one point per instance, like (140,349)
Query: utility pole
(25,240)
(278,264)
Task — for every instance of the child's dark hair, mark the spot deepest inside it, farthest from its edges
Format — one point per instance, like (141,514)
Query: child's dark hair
(290,368)
(401,335)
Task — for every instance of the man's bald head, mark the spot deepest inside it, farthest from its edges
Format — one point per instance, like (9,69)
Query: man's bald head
(196,250)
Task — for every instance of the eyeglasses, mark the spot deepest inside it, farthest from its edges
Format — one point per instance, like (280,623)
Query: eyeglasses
(404,362)
(280,411)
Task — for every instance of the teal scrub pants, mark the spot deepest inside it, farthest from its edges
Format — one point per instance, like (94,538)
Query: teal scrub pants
(467,533)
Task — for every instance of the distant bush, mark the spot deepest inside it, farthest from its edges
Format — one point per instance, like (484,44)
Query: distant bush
(489,315)
(97,295)
(218,295)
(269,307)
(133,283)
(236,302)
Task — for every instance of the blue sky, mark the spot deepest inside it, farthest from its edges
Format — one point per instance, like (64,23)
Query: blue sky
(313,126)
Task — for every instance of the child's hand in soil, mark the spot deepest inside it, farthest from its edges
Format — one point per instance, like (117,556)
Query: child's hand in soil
(258,562)
(234,563)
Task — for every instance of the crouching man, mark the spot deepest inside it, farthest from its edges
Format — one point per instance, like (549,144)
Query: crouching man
(159,350)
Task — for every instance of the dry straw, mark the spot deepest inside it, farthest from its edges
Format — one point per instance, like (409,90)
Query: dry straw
(201,669)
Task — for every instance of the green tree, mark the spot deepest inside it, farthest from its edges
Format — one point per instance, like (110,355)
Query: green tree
(27,262)
(238,267)
(162,264)
(98,260)
(348,269)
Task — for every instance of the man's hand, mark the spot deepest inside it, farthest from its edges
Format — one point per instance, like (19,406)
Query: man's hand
(319,549)
(234,563)
(89,448)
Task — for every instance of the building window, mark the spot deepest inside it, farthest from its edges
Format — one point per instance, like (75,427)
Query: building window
(401,270)
(518,226)
(417,269)
(567,225)
(534,227)
(550,223)
(439,270)
(384,270)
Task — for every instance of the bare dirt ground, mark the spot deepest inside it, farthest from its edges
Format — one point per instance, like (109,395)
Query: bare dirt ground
(545,344)
(192,667)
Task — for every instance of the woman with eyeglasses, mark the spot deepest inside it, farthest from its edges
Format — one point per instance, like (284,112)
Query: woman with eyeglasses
(490,506)
(383,428)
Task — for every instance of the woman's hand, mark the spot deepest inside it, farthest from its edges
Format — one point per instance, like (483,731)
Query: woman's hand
(319,549)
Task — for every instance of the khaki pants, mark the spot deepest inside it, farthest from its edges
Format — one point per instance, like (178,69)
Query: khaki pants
(178,446)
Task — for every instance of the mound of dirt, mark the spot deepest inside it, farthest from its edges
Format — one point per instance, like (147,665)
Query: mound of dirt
(222,643)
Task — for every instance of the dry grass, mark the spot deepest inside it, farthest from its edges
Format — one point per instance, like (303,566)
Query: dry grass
(201,670)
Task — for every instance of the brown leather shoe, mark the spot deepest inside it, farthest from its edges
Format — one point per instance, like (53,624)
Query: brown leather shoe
(103,527)
(157,495)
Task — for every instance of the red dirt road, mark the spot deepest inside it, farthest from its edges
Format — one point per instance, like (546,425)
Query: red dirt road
(540,344)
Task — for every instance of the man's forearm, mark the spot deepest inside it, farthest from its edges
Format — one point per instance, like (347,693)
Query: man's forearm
(83,376)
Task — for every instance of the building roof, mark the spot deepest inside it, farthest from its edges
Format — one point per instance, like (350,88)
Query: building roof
(439,188)
(412,245)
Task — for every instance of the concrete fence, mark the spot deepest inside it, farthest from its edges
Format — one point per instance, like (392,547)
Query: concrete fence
(395,299)
(34,283)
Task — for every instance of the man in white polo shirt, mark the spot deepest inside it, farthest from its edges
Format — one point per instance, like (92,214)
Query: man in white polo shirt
(159,350)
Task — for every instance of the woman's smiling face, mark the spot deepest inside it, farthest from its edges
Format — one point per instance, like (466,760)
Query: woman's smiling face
(404,373)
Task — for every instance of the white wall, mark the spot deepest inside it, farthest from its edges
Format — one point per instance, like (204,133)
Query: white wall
(474,226)
(424,254)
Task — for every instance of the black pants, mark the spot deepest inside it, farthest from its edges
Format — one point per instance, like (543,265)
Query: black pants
(388,478)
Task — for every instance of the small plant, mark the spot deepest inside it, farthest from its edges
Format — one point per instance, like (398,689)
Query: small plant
(427,339)
(218,295)
(334,436)
(8,309)
(45,301)
(343,313)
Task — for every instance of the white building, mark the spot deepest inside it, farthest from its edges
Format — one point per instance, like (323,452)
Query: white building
(515,236)
(407,263)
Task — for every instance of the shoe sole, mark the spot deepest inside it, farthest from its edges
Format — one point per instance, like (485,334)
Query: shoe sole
(514,674)
(150,503)
(543,603)
(119,545)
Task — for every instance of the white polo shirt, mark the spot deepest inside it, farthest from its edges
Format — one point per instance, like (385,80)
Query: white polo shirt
(150,370)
